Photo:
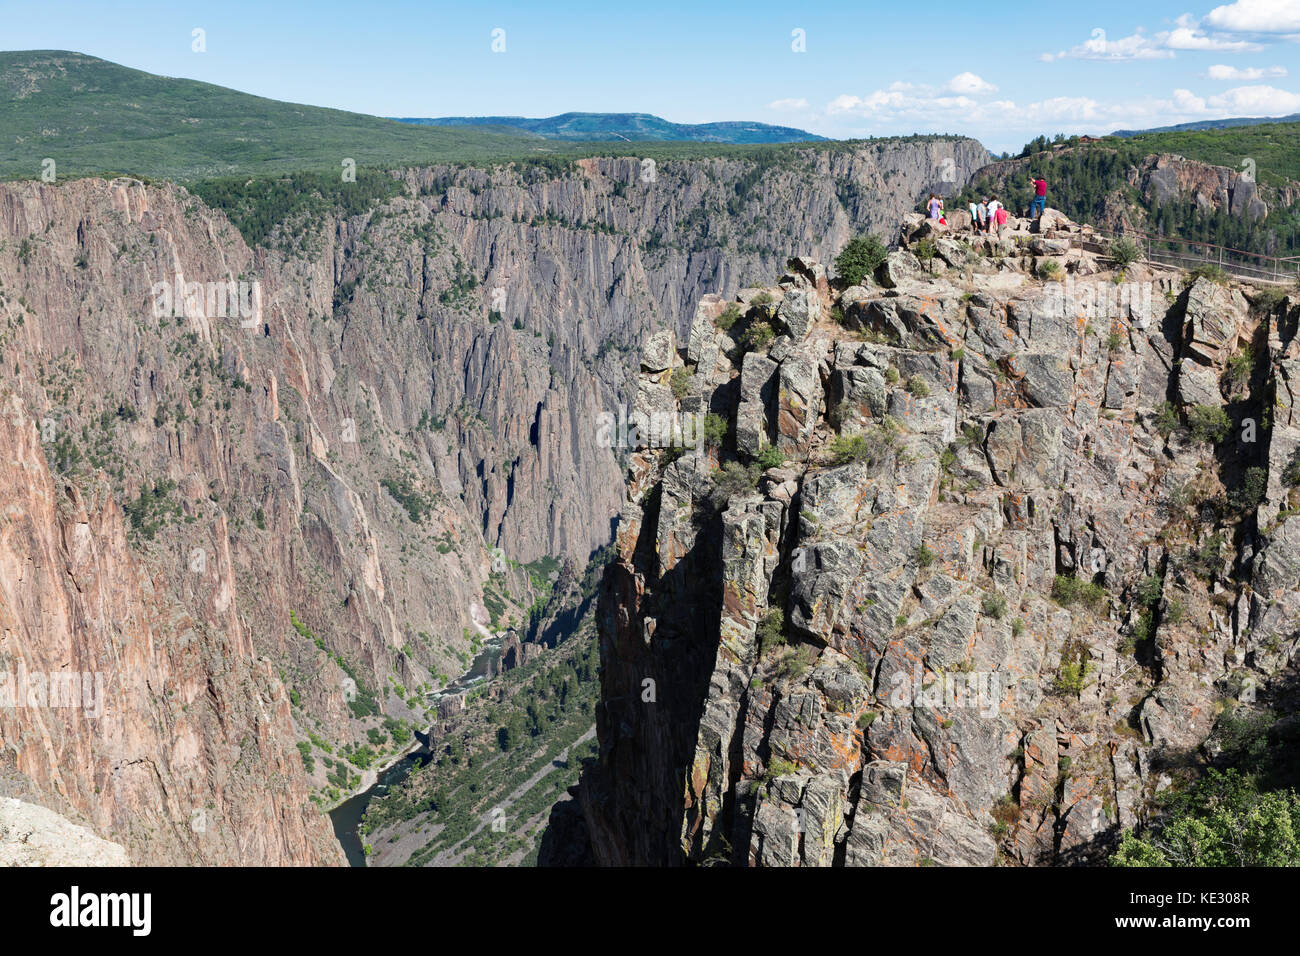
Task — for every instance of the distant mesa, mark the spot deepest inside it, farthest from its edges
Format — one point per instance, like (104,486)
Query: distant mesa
(625,126)
(1212,124)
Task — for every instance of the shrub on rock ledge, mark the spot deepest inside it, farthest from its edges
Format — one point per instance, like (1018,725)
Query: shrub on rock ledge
(860,259)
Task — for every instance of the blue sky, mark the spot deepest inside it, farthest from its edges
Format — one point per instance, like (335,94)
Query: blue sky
(1002,72)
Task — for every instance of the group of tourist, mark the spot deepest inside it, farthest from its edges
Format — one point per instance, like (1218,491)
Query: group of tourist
(988,215)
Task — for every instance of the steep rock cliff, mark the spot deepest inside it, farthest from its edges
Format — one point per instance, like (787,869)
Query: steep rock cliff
(985,557)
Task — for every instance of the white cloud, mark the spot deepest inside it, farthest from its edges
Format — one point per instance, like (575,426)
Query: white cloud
(970,84)
(1064,109)
(930,105)
(1221,72)
(954,103)
(1006,123)
(1185,101)
(1257,16)
(787,105)
(844,103)
(1256,101)
(1139,46)
(907,99)
(1193,38)
(1187,34)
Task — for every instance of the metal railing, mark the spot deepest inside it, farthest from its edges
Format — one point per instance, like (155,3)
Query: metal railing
(1188,254)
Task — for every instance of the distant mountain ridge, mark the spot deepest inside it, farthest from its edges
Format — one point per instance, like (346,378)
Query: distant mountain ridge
(92,116)
(628,126)
(1211,124)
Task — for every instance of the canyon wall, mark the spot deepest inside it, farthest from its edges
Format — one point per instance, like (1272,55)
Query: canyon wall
(243,518)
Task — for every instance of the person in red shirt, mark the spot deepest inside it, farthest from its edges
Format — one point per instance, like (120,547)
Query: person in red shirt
(1040,196)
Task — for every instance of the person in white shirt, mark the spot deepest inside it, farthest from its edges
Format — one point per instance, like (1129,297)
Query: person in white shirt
(992,215)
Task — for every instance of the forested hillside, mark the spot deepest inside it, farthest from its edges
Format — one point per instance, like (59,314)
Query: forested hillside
(1109,180)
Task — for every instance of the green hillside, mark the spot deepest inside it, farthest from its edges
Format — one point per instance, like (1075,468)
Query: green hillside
(93,116)
(1085,177)
(1275,148)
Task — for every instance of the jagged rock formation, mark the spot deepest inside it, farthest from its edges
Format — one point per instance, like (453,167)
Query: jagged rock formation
(1000,562)
(1165,177)
(408,389)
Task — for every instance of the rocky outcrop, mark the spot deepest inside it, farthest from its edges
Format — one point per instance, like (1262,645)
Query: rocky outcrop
(34,836)
(1166,177)
(958,589)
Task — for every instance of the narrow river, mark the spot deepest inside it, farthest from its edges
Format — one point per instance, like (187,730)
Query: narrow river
(347,816)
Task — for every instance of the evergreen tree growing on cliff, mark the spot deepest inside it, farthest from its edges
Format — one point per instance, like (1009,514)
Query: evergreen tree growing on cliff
(860,258)
(1224,821)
